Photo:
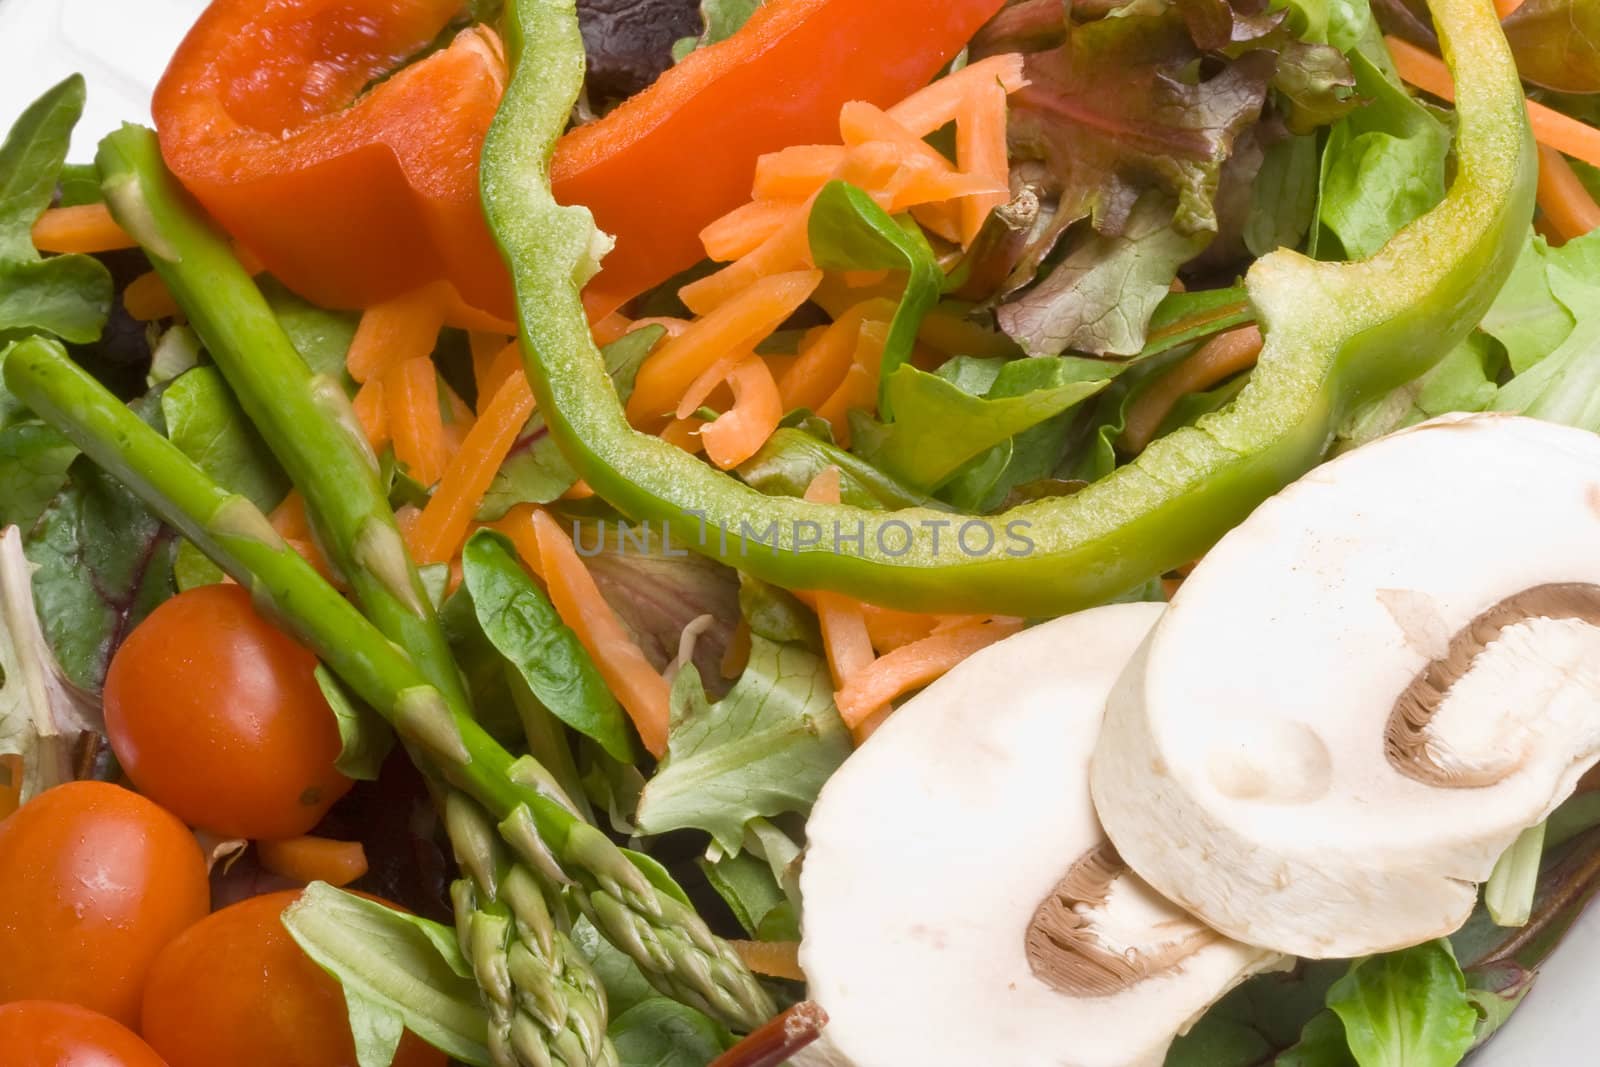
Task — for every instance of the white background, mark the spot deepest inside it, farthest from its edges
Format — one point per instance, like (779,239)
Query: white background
(121,46)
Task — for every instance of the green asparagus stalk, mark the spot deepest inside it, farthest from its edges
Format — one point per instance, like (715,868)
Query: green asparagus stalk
(670,942)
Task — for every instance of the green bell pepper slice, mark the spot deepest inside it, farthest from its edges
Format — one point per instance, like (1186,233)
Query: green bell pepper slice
(1336,334)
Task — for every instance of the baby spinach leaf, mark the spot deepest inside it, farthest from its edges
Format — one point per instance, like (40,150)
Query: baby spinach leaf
(746,885)
(398,971)
(34,459)
(206,423)
(365,740)
(941,427)
(1406,1009)
(523,625)
(322,337)
(1283,200)
(763,750)
(1383,166)
(849,231)
(663,1033)
(68,296)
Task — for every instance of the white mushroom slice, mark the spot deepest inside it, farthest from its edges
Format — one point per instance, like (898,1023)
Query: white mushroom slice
(1367,690)
(961,904)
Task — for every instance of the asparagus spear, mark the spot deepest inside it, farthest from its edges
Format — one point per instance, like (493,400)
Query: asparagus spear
(671,943)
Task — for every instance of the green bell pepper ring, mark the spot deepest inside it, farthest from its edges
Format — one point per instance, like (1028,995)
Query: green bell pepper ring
(1336,334)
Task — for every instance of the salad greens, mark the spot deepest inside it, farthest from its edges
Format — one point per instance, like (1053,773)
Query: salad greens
(1179,169)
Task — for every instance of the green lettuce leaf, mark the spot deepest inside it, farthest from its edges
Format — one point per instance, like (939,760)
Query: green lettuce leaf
(1283,200)
(399,972)
(849,231)
(722,19)
(1383,165)
(1407,1008)
(68,296)
(521,623)
(792,458)
(763,750)
(942,425)
(42,714)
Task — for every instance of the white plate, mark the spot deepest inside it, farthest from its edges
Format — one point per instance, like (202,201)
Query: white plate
(121,46)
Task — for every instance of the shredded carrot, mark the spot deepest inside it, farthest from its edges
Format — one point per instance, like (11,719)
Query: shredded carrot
(443,526)
(710,381)
(1563,198)
(685,433)
(289,517)
(314,859)
(916,665)
(395,332)
(745,319)
(891,629)
(788,249)
(614,326)
(411,391)
(517,524)
(738,433)
(147,298)
(627,673)
(861,122)
(579,491)
(981,152)
(458,313)
(775,959)
(859,389)
(1504,8)
(797,172)
(82,228)
(1221,357)
(458,420)
(1562,132)
(372,413)
(742,230)
(506,364)
(844,626)
(928,109)
(822,363)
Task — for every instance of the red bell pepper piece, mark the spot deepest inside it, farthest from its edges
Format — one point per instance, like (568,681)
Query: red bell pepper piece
(682,153)
(349,198)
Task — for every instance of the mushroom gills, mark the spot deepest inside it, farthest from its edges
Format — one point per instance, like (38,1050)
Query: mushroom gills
(962,905)
(1368,690)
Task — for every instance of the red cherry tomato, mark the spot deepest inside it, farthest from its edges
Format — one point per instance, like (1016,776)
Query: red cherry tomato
(46,1033)
(216,714)
(94,881)
(235,989)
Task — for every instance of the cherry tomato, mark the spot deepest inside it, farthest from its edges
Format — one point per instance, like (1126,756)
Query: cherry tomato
(216,714)
(94,881)
(46,1033)
(235,989)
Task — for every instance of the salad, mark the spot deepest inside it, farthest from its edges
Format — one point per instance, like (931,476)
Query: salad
(830,532)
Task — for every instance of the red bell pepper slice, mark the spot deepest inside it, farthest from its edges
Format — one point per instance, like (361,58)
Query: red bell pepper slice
(682,153)
(349,197)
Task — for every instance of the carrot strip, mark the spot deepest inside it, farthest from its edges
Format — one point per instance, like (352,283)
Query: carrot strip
(412,393)
(611,328)
(981,152)
(82,228)
(796,172)
(458,313)
(1550,127)
(484,347)
(916,665)
(747,318)
(822,365)
(1221,357)
(395,332)
(1504,8)
(928,109)
(517,524)
(788,249)
(860,122)
(709,381)
(443,525)
(459,421)
(738,433)
(860,386)
(314,859)
(643,693)
(372,413)
(891,629)
(844,627)
(147,298)
(744,229)
(685,433)
(775,959)
(289,517)
(1563,198)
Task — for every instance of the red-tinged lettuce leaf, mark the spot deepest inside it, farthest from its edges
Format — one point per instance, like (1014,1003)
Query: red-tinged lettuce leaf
(1557,43)
(1118,110)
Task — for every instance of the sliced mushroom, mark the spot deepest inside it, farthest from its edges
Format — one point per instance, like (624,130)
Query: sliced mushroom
(961,904)
(1367,690)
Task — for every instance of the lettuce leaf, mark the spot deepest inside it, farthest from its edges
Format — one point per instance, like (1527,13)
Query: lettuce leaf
(1407,1008)
(68,296)
(763,750)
